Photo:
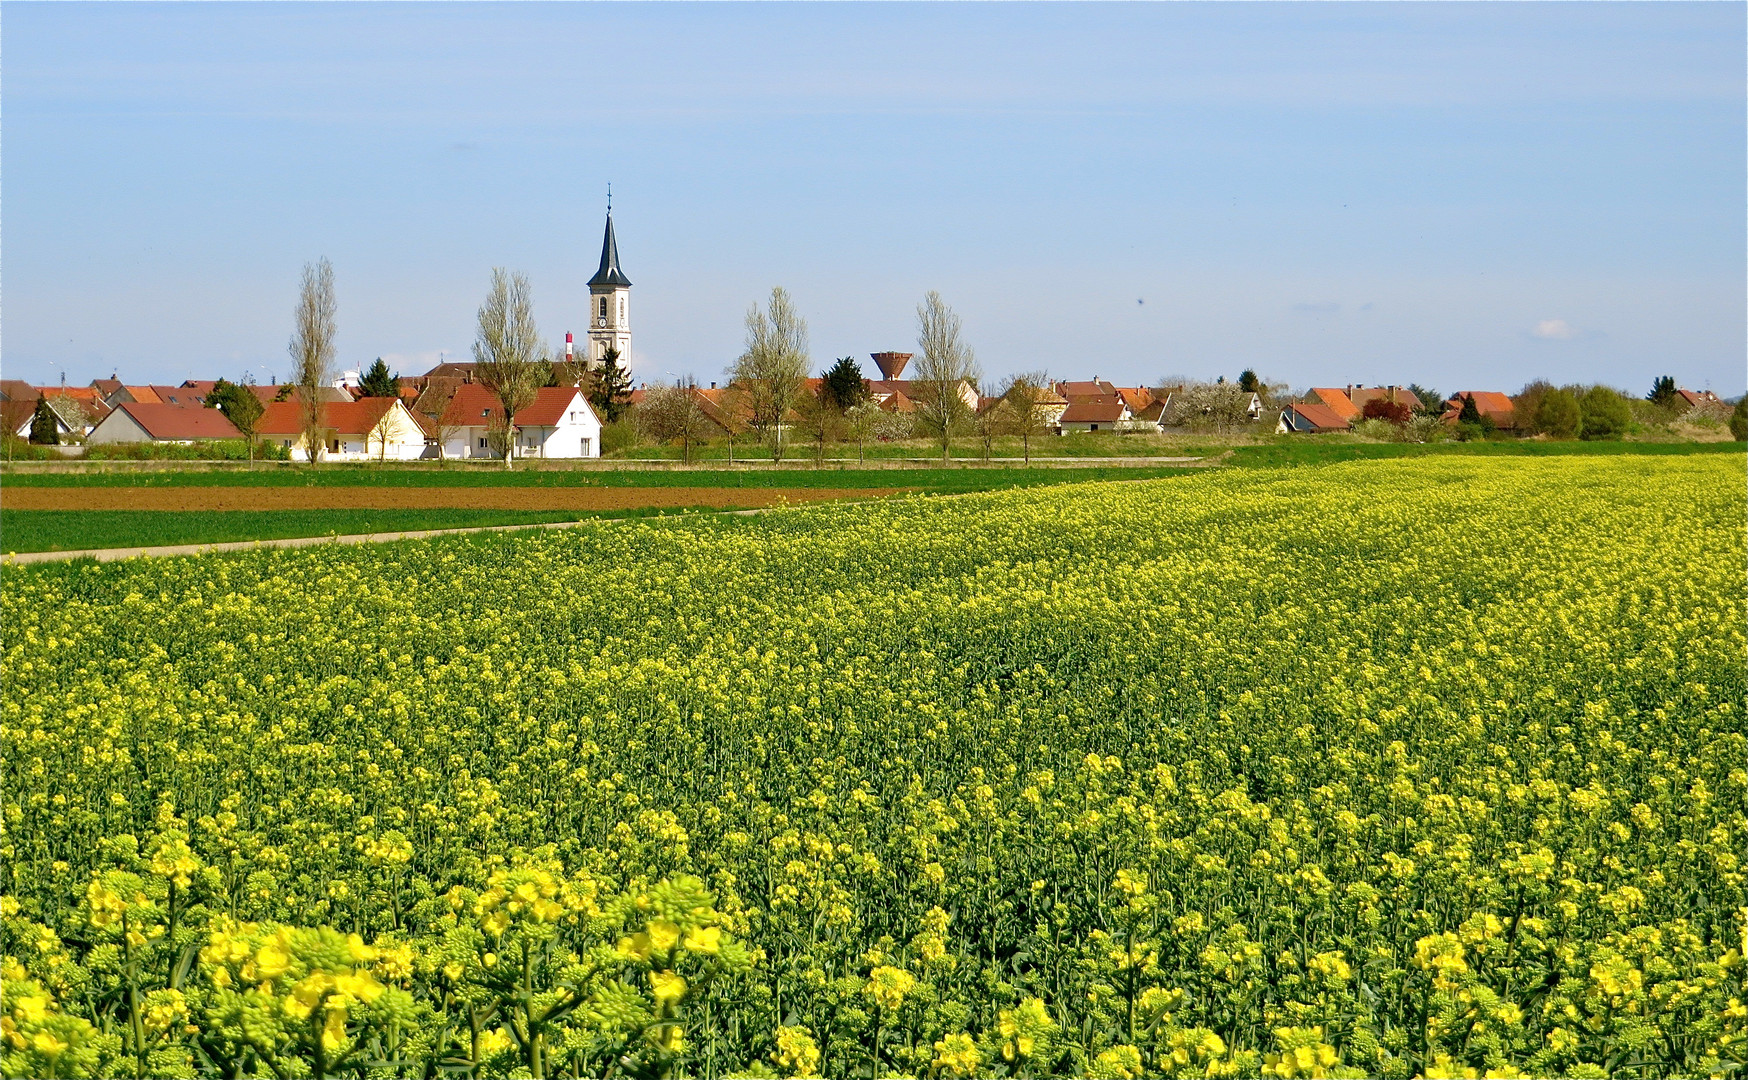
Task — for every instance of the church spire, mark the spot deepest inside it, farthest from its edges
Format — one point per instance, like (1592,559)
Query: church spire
(609,300)
(609,273)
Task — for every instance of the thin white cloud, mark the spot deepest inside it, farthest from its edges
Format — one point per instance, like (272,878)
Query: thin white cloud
(1554,330)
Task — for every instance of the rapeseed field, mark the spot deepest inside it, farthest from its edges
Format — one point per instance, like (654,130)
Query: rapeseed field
(1434,767)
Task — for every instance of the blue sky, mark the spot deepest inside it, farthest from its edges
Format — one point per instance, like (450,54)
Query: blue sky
(1467,196)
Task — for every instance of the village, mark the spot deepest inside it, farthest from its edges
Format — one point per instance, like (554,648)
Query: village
(446,414)
(581,403)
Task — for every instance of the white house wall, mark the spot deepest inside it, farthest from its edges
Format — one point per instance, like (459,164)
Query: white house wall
(565,442)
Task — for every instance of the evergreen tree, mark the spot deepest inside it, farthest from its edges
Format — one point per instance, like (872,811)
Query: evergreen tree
(45,428)
(610,389)
(1469,414)
(1662,390)
(377,382)
(844,386)
(1247,381)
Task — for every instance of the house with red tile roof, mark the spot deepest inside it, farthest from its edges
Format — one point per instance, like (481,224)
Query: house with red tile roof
(155,421)
(1105,412)
(457,369)
(1136,397)
(1336,401)
(882,391)
(1151,416)
(730,412)
(78,413)
(16,415)
(77,393)
(70,425)
(78,408)
(109,390)
(369,429)
(559,423)
(17,390)
(1492,404)
(1693,399)
(1086,388)
(289,392)
(189,394)
(1361,396)
(1310,417)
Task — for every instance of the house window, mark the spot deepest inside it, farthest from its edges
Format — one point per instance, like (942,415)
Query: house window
(1092,427)
(288,444)
(482,442)
(585,447)
(333,446)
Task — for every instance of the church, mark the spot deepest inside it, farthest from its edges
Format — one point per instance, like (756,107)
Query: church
(609,306)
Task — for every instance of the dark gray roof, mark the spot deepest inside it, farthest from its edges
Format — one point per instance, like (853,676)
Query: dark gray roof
(609,273)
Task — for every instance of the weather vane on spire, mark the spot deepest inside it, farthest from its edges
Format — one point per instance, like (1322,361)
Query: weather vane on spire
(609,196)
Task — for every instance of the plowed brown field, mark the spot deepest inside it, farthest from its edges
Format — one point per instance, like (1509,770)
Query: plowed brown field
(457,498)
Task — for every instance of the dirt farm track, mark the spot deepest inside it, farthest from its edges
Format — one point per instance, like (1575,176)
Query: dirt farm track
(201,499)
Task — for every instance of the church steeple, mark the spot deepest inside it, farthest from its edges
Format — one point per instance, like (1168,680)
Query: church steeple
(609,274)
(609,300)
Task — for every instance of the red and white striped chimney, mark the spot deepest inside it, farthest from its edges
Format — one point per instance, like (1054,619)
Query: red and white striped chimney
(567,347)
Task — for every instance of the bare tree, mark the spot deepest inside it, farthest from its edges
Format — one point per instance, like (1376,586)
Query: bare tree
(1028,395)
(819,421)
(500,436)
(381,430)
(510,359)
(771,370)
(672,414)
(433,405)
(569,371)
(312,351)
(730,405)
(991,419)
(943,370)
